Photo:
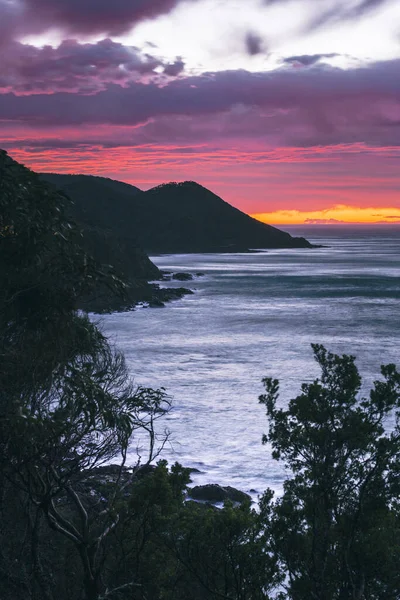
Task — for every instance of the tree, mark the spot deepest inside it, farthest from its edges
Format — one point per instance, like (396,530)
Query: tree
(224,554)
(44,271)
(67,405)
(336,528)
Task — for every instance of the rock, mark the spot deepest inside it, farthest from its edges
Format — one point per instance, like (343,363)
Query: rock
(156,303)
(209,493)
(199,274)
(215,493)
(167,294)
(161,295)
(236,495)
(182,276)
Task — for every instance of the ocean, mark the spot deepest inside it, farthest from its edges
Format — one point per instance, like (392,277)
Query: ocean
(255,315)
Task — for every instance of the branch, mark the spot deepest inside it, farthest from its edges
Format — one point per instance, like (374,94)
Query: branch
(117,590)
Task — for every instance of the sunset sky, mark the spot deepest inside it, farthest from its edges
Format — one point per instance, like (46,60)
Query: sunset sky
(288,109)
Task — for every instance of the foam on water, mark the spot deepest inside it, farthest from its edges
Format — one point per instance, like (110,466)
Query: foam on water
(255,315)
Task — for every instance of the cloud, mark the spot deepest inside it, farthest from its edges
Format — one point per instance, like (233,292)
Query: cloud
(308,59)
(75,17)
(174,69)
(352,11)
(254,44)
(387,216)
(336,11)
(323,221)
(317,106)
(75,67)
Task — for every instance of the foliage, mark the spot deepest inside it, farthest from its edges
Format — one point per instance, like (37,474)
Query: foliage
(67,404)
(336,528)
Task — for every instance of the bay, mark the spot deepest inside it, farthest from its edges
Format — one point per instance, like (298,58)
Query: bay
(255,315)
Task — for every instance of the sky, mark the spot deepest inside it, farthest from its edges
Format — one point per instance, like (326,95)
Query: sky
(287,109)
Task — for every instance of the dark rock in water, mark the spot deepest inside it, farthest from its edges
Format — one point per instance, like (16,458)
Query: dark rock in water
(208,493)
(236,495)
(200,274)
(216,493)
(156,303)
(167,294)
(162,295)
(182,276)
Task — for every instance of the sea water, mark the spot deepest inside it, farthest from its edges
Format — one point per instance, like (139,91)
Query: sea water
(255,315)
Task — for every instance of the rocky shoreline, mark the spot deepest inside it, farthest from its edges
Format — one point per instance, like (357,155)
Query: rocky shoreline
(142,294)
(161,295)
(211,494)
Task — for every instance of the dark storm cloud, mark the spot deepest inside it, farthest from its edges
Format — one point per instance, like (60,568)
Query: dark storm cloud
(115,17)
(308,59)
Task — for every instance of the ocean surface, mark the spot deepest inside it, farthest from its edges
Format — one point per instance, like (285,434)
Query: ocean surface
(255,315)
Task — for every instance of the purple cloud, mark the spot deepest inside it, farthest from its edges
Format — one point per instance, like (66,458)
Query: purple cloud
(75,67)
(174,69)
(22,17)
(308,59)
(323,221)
(301,107)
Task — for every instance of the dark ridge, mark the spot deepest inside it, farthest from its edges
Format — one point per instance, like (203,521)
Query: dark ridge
(170,218)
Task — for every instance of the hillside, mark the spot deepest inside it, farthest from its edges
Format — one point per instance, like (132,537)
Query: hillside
(100,206)
(187,217)
(171,218)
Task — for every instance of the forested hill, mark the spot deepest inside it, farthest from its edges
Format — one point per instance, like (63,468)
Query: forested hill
(171,218)
(102,207)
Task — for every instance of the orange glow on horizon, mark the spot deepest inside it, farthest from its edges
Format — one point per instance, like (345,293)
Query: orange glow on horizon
(333,215)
